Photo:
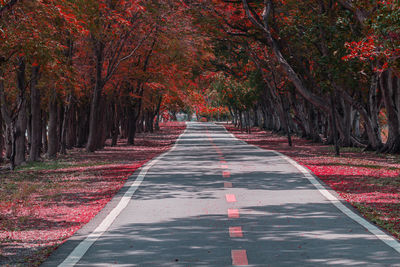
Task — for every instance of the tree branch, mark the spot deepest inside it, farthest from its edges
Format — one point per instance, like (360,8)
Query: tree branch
(8,6)
(287,68)
(131,54)
(360,14)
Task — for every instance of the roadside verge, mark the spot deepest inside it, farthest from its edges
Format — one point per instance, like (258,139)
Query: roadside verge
(367,181)
(42,205)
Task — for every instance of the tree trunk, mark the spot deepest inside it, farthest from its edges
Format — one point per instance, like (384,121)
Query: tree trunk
(102,127)
(115,125)
(285,111)
(82,126)
(356,124)
(44,133)
(60,119)
(52,127)
(34,153)
(134,112)
(157,123)
(374,111)
(248,124)
(132,119)
(347,111)
(20,125)
(8,141)
(369,116)
(28,128)
(20,139)
(334,130)
(64,127)
(157,116)
(150,121)
(72,127)
(7,119)
(2,139)
(94,120)
(386,84)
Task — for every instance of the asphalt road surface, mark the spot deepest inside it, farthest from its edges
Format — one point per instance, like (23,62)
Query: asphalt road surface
(215,201)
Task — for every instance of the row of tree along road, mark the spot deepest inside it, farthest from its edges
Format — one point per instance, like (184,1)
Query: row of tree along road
(75,73)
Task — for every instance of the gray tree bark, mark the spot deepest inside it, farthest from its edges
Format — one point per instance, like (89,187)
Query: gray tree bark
(52,127)
(21,123)
(34,153)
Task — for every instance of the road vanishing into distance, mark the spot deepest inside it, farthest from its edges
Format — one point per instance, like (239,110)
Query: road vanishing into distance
(214,200)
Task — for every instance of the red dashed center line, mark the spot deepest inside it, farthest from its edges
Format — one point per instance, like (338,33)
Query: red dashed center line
(230,198)
(233,213)
(228,185)
(235,231)
(226,174)
(239,257)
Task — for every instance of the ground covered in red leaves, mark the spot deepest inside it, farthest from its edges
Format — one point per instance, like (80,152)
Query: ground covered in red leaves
(368,181)
(43,204)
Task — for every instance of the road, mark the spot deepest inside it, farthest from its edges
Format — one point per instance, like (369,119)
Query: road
(215,201)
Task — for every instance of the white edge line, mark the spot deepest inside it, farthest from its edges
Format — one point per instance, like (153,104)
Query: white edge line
(80,250)
(389,240)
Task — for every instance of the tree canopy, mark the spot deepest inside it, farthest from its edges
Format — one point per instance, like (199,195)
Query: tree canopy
(74,73)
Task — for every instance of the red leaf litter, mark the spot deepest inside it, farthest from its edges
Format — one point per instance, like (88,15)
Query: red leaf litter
(368,181)
(41,209)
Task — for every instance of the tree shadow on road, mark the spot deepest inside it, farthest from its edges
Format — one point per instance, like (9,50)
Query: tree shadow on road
(297,235)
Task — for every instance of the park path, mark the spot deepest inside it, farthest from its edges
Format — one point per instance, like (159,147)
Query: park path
(215,201)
